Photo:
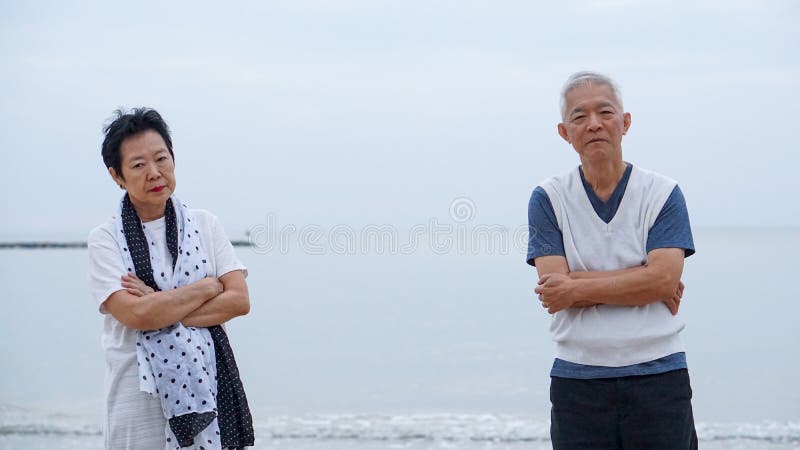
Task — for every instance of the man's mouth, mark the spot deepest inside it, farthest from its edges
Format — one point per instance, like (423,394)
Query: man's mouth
(596,140)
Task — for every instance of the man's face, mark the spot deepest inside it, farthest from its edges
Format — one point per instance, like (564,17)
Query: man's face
(594,122)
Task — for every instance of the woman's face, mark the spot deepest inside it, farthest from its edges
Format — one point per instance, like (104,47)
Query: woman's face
(148,173)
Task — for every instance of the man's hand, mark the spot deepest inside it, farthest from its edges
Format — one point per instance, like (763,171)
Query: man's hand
(556,292)
(675,302)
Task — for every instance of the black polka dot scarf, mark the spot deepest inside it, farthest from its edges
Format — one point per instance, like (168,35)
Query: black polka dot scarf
(191,370)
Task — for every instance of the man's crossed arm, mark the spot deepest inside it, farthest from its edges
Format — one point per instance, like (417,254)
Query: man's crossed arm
(656,281)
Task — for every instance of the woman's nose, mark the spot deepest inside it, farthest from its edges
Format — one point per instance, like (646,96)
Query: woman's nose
(152,171)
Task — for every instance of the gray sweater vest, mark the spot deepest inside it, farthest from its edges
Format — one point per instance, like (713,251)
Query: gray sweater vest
(610,335)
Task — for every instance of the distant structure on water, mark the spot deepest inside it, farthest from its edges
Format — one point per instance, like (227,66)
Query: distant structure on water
(40,245)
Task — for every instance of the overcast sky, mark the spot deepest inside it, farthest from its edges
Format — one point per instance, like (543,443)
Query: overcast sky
(359,112)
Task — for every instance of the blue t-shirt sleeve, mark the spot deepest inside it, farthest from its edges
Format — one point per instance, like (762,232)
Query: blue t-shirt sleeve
(671,228)
(544,236)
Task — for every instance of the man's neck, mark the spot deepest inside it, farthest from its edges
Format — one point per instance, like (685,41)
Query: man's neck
(603,176)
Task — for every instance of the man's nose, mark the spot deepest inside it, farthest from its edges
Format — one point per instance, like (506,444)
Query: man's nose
(594,122)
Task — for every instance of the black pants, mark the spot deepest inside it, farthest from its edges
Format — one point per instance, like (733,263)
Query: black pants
(652,412)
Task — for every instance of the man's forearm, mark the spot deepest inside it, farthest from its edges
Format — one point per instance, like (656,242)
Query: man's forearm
(629,287)
(578,275)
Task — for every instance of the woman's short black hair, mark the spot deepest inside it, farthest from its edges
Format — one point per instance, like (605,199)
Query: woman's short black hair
(127,124)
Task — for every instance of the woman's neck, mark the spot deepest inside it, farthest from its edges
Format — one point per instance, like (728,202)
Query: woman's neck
(149,213)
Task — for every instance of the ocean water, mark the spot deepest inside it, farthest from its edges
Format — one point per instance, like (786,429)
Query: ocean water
(411,351)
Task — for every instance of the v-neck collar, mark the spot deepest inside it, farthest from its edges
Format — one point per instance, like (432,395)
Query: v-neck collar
(608,209)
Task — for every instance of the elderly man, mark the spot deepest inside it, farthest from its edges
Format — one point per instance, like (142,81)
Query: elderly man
(608,240)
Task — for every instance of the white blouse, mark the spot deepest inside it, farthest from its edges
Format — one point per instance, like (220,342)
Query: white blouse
(134,419)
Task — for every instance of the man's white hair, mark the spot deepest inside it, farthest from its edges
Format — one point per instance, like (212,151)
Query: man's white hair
(583,78)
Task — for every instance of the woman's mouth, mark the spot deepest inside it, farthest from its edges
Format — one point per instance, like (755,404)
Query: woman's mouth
(157,189)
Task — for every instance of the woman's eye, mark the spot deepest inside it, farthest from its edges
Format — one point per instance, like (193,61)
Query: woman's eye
(138,165)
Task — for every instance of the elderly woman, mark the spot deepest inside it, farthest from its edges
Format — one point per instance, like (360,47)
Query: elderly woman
(165,278)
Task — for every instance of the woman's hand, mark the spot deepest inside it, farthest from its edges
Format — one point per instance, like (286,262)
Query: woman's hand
(135,286)
(212,285)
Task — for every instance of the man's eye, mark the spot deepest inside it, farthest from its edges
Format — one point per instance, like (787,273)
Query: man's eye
(577,118)
(606,113)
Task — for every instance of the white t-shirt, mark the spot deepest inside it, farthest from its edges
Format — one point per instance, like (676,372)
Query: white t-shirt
(134,419)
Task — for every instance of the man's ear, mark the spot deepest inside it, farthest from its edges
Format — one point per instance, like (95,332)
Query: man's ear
(562,131)
(626,122)
(117,178)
